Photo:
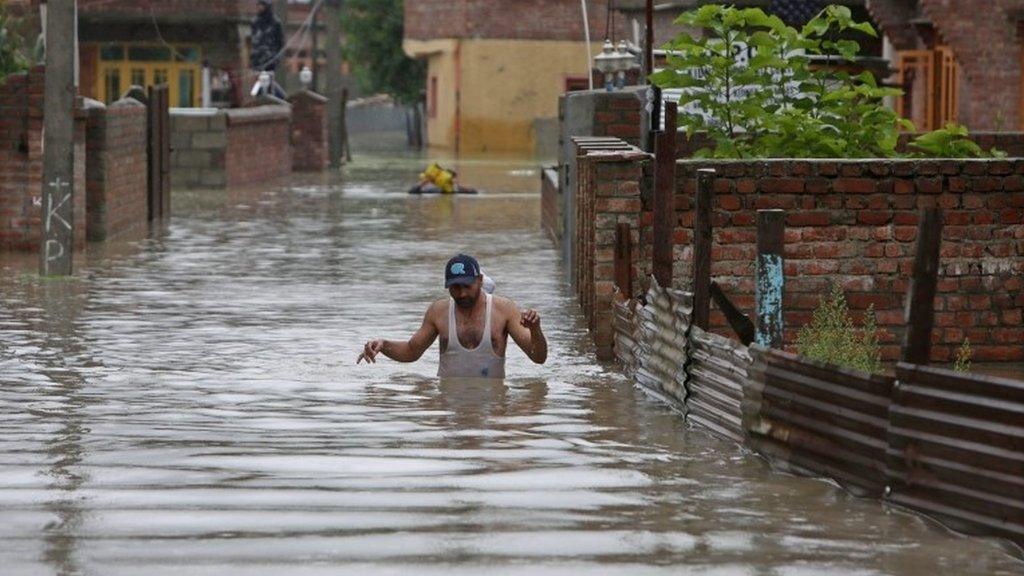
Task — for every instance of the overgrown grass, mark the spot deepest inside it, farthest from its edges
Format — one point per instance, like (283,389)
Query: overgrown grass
(832,337)
(962,360)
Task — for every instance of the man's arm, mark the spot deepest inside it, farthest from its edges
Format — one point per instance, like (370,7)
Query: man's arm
(524,327)
(409,351)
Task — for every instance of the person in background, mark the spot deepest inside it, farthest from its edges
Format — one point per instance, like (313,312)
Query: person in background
(267,43)
(437,179)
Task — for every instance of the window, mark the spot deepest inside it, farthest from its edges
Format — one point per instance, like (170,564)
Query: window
(432,98)
(149,65)
(577,83)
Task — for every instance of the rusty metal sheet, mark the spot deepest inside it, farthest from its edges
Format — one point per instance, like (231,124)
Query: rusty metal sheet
(661,350)
(818,419)
(717,378)
(956,449)
(624,323)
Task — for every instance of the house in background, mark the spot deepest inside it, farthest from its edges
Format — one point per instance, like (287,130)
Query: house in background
(495,68)
(200,48)
(956,61)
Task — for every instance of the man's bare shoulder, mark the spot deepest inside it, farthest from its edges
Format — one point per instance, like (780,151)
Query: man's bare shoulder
(505,305)
(437,308)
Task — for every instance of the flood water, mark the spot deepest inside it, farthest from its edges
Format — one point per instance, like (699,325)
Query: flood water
(190,404)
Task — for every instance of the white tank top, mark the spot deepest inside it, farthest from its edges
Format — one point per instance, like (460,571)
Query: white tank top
(480,362)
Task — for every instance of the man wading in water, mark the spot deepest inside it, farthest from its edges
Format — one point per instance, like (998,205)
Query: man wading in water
(474,329)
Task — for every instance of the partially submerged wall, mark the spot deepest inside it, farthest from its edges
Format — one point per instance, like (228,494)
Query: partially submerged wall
(214,148)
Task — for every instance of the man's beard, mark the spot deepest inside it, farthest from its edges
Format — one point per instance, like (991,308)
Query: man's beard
(466,302)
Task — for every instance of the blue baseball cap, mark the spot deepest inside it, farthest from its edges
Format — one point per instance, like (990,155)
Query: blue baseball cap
(461,269)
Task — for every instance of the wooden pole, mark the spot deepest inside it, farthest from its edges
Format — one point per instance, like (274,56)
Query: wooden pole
(649,41)
(58,236)
(920,310)
(344,125)
(333,72)
(770,282)
(314,64)
(624,259)
(664,199)
(702,240)
(283,73)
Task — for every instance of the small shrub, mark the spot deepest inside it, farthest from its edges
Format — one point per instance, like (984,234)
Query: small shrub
(12,60)
(831,336)
(951,142)
(962,360)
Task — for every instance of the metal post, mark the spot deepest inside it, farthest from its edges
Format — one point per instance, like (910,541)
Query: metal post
(920,311)
(664,200)
(702,248)
(58,235)
(624,259)
(283,74)
(333,72)
(770,282)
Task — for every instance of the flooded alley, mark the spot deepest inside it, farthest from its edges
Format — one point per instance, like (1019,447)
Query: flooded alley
(190,403)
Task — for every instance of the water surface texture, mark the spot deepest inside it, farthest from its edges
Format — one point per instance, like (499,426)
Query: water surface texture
(190,404)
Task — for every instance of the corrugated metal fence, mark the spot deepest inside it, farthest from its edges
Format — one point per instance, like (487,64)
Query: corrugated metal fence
(946,444)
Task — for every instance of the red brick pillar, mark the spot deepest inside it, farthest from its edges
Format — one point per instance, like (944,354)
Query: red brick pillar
(309,131)
(21,163)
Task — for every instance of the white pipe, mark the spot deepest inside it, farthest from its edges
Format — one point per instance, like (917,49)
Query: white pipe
(586,35)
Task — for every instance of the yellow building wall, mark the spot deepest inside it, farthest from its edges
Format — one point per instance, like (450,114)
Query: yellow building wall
(440,56)
(491,91)
(507,84)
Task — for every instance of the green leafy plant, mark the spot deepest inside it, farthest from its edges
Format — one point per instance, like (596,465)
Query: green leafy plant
(374,31)
(791,98)
(962,360)
(831,336)
(951,142)
(12,60)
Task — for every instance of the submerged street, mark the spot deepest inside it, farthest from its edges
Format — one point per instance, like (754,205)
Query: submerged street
(190,403)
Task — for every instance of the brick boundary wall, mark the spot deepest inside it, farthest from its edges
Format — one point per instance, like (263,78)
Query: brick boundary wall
(21,163)
(116,167)
(608,192)
(259,144)
(213,148)
(309,131)
(851,221)
(855,222)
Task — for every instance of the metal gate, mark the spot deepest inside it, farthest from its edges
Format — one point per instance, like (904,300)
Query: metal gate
(158,152)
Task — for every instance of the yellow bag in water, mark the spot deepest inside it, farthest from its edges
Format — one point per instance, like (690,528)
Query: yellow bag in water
(443,179)
(431,173)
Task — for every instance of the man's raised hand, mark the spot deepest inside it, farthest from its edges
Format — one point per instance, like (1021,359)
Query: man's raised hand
(370,351)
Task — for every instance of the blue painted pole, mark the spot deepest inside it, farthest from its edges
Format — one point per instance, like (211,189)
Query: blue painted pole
(771,278)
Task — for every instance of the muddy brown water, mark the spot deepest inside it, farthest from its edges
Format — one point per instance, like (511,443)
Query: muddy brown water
(189,404)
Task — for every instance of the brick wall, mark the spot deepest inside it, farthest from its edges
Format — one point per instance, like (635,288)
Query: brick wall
(855,222)
(988,50)
(116,167)
(508,19)
(618,115)
(852,222)
(309,131)
(213,148)
(894,19)
(259,146)
(608,192)
(21,163)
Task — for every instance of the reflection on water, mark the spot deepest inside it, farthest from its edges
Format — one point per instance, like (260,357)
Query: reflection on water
(193,400)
